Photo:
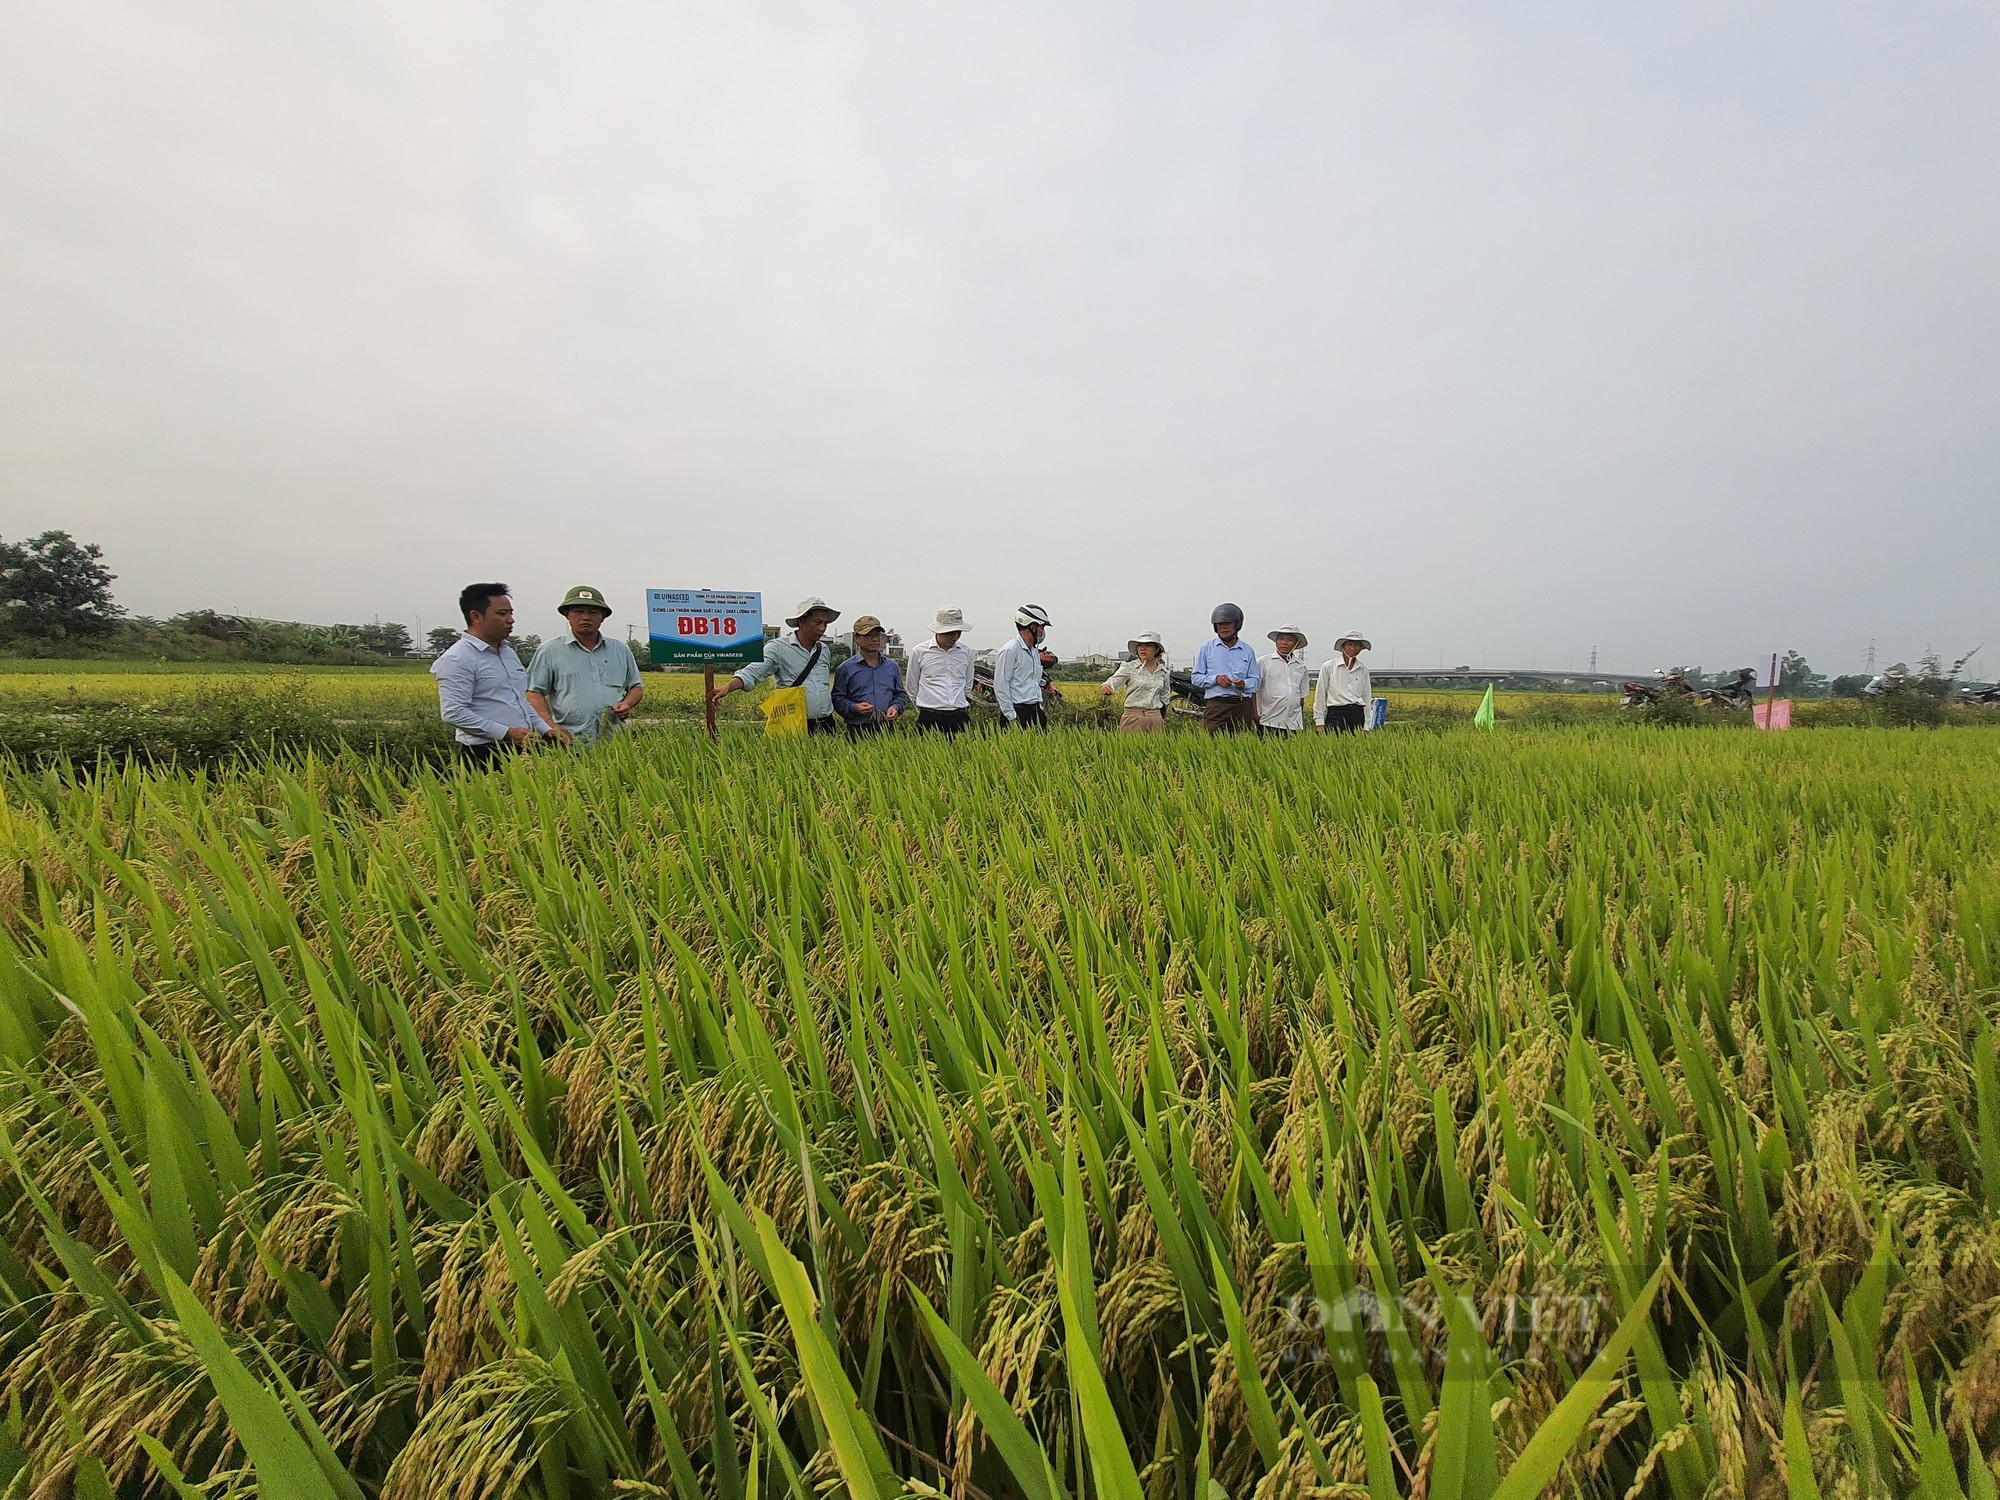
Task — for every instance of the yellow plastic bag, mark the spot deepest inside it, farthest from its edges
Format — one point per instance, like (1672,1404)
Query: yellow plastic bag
(784,713)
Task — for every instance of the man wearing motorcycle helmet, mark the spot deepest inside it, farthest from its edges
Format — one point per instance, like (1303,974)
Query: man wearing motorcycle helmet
(1226,673)
(1017,670)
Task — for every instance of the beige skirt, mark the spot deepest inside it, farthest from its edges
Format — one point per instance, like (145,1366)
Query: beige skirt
(1141,721)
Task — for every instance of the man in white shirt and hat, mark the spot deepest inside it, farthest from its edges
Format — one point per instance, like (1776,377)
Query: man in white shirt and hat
(1345,695)
(797,660)
(1017,670)
(939,676)
(1281,684)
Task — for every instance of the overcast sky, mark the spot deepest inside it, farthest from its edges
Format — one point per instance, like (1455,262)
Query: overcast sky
(1497,331)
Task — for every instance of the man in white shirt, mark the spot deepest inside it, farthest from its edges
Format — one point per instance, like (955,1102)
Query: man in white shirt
(939,679)
(1017,670)
(1345,695)
(1281,689)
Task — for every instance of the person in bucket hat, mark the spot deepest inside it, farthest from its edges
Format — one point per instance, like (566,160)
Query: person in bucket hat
(1147,682)
(1344,695)
(797,660)
(585,683)
(940,675)
(1281,690)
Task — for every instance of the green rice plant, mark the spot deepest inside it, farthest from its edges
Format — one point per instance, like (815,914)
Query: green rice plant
(1571,1113)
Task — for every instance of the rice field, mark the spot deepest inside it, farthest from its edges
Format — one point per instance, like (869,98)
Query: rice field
(30,687)
(1599,1112)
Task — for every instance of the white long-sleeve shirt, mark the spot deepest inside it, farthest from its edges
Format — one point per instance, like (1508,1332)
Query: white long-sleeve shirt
(1340,683)
(939,679)
(483,691)
(1143,689)
(1281,691)
(1017,675)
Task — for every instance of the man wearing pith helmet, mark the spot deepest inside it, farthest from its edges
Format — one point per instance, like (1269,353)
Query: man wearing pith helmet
(585,683)
(797,660)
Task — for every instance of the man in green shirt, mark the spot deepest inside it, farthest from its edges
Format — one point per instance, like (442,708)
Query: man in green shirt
(584,683)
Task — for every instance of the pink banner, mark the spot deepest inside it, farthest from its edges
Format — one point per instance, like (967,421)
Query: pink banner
(1776,715)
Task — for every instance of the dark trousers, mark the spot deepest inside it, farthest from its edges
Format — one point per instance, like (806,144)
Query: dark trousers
(829,725)
(1345,718)
(1228,715)
(1266,732)
(1030,716)
(861,728)
(482,756)
(946,721)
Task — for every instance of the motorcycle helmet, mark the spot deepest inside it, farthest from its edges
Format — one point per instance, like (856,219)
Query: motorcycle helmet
(1031,614)
(1229,612)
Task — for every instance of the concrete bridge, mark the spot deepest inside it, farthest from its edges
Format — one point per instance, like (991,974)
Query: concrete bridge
(1480,676)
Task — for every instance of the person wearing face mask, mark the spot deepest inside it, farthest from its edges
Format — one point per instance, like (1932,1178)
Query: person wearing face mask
(1017,671)
(939,679)
(1226,675)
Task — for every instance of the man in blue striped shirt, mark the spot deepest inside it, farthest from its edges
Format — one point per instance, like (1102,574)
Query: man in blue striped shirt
(1226,672)
(482,686)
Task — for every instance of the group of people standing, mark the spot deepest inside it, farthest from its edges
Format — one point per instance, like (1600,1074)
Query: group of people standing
(868,691)
(1241,691)
(586,684)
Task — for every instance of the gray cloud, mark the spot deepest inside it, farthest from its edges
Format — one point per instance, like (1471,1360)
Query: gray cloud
(1502,332)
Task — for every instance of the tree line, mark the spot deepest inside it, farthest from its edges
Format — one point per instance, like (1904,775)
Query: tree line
(56,600)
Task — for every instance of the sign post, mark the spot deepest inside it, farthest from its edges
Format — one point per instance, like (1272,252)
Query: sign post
(714,627)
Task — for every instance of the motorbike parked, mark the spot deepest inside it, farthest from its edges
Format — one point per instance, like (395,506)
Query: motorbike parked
(1735,695)
(1672,684)
(982,679)
(1738,693)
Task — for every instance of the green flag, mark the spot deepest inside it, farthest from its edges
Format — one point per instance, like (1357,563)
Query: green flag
(1484,718)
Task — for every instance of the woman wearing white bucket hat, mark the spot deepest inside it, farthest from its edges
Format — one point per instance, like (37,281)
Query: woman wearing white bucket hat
(939,679)
(1147,683)
(1281,690)
(1342,701)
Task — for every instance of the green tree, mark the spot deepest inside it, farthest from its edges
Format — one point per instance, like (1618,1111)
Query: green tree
(441,637)
(384,640)
(1797,679)
(524,647)
(54,587)
(1929,678)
